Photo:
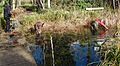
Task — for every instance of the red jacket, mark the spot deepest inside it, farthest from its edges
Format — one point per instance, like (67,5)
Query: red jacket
(101,23)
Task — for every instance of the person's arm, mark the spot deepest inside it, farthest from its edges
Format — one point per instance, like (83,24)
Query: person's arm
(5,11)
(37,27)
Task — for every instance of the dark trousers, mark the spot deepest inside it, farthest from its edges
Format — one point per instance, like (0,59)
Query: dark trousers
(7,27)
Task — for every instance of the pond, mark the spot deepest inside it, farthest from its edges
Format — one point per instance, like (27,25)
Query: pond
(74,54)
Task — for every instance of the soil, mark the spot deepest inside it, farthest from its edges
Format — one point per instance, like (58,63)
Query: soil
(16,56)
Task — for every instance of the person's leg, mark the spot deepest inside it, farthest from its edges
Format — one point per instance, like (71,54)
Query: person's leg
(5,26)
(7,29)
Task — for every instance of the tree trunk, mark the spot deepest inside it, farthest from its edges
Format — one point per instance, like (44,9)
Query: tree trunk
(13,4)
(32,1)
(3,2)
(49,4)
(117,4)
(40,4)
(19,2)
(113,4)
(41,1)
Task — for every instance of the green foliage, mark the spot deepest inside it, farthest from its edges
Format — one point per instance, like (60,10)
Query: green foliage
(28,20)
(49,15)
(1,7)
(2,23)
(76,4)
(82,4)
(56,15)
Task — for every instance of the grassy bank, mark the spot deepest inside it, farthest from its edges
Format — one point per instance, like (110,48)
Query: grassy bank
(62,21)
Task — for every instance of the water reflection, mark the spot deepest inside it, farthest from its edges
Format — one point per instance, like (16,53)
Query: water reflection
(79,55)
(84,55)
(37,53)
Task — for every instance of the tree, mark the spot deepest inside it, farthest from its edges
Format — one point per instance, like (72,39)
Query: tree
(19,2)
(40,4)
(13,4)
(49,4)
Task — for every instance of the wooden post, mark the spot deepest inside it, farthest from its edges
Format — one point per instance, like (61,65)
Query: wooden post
(52,50)
(44,53)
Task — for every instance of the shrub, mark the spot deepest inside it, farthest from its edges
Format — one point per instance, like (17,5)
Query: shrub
(2,23)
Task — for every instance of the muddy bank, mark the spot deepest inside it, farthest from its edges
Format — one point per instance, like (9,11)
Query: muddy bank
(17,56)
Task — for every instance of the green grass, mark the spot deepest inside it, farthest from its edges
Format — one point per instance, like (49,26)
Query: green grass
(112,57)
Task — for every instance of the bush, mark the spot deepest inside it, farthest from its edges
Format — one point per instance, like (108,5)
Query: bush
(82,4)
(2,23)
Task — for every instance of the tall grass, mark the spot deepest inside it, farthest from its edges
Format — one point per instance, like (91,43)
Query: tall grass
(73,20)
(1,7)
(112,57)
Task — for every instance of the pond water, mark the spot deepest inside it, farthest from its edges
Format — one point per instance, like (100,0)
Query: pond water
(37,54)
(81,56)
(84,55)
